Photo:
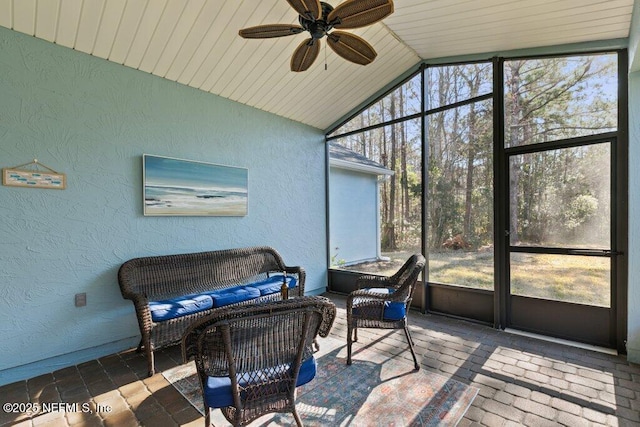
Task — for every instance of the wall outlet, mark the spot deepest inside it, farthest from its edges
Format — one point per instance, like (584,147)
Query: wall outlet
(81,300)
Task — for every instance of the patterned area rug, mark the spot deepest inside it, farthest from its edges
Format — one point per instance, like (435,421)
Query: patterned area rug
(374,391)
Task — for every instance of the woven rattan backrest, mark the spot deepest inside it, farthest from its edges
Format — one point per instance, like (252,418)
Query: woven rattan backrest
(258,342)
(170,275)
(264,326)
(405,279)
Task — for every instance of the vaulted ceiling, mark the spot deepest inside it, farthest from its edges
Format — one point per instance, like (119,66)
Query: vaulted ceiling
(196,42)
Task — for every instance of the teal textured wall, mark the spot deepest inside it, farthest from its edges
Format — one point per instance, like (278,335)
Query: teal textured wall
(93,120)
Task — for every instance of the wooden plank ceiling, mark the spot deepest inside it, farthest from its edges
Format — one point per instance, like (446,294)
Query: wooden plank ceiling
(196,42)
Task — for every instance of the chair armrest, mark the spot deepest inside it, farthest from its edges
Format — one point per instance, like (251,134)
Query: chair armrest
(363,293)
(143,313)
(364,297)
(369,305)
(139,299)
(189,344)
(299,271)
(328,309)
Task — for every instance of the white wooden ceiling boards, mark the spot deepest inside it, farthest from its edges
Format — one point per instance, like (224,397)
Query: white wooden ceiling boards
(196,42)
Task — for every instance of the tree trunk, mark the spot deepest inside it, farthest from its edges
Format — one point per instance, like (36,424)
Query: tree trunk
(404,183)
(514,171)
(389,240)
(471,155)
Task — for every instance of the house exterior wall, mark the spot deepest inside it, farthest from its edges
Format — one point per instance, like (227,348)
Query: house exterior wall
(93,120)
(353,216)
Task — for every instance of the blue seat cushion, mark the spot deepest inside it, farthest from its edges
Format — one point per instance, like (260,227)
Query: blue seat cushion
(217,392)
(179,306)
(393,310)
(235,295)
(272,284)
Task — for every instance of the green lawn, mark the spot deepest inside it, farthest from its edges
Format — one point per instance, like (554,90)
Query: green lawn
(578,279)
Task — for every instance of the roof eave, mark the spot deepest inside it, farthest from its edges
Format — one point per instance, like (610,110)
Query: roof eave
(343,164)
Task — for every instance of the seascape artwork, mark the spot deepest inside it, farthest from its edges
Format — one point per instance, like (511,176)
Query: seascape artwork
(192,188)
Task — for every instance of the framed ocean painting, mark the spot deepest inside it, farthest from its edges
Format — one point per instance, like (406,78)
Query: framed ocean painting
(177,187)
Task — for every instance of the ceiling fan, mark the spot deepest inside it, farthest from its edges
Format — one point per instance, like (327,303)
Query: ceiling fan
(318,18)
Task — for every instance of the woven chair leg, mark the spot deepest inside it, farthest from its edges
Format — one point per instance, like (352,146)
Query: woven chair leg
(139,349)
(349,343)
(413,353)
(297,417)
(150,361)
(207,417)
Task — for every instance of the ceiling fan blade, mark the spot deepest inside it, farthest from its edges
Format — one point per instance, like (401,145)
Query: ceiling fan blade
(310,9)
(305,54)
(359,13)
(270,31)
(351,47)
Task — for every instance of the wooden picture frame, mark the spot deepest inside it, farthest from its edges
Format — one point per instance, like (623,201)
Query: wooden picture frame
(17,176)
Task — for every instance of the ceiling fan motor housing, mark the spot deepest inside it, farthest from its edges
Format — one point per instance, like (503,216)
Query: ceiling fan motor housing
(318,28)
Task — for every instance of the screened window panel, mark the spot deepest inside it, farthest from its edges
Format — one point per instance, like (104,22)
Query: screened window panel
(549,99)
(402,102)
(450,84)
(562,197)
(568,278)
(398,148)
(460,196)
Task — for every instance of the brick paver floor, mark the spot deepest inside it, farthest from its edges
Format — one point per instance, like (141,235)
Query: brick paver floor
(522,381)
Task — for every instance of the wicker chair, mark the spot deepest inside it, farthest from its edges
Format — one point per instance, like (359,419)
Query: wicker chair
(251,359)
(383,302)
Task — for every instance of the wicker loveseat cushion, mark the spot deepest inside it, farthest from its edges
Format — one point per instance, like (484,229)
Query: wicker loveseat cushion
(188,304)
(228,296)
(273,284)
(179,306)
(217,391)
(392,310)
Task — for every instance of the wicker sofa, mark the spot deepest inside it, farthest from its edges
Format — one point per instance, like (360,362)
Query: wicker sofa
(170,292)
